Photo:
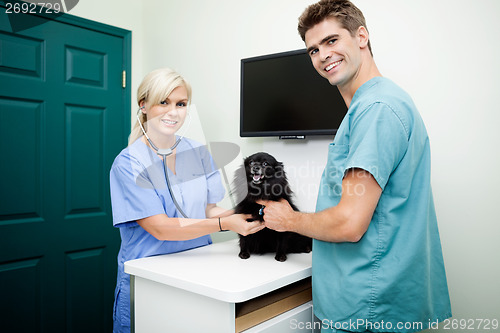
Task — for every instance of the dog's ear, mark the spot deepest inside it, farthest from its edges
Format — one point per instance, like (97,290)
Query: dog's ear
(279,166)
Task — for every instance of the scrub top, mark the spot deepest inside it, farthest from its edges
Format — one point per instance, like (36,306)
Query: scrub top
(393,279)
(139,190)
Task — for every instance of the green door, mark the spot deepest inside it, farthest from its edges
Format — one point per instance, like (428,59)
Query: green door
(64,116)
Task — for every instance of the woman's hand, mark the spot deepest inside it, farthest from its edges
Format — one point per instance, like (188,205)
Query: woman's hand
(238,223)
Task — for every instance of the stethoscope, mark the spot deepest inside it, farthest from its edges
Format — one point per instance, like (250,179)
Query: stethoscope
(164,153)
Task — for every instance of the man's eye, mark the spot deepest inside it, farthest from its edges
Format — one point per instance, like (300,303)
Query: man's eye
(313,52)
(331,41)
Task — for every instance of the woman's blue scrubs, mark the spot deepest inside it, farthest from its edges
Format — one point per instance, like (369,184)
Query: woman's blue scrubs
(393,279)
(138,190)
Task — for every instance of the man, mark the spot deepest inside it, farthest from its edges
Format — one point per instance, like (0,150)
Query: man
(377,258)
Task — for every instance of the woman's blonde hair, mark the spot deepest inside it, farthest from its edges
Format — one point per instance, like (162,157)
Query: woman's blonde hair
(154,89)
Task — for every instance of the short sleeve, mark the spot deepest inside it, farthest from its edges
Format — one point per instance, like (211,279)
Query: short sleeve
(131,199)
(378,141)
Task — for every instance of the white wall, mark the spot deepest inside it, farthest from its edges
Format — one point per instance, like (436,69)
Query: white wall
(444,53)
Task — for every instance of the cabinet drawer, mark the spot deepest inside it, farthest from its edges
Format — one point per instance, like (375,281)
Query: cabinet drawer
(294,320)
(261,309)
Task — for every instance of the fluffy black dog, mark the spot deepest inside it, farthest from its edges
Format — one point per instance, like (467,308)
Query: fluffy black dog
(266,179)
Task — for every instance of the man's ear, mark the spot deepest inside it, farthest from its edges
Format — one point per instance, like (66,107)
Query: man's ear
(363,37)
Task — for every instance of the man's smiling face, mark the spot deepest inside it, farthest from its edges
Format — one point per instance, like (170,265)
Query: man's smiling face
(335,54)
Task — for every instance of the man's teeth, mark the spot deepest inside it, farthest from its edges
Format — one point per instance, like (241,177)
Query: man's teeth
(327,68)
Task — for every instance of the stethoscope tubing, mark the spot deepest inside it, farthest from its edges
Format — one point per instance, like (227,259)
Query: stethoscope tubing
(165,171)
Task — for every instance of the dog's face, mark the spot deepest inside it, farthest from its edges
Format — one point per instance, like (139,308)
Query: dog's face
(261,177)
(262,167)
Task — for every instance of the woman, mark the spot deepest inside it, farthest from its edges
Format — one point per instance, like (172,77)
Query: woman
(143,209)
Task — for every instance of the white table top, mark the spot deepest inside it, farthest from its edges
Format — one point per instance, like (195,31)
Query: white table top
(216,271)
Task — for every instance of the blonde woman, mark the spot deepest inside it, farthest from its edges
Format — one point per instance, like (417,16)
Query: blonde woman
(143,208)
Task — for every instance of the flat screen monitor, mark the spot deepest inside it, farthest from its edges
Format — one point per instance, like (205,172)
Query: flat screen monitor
(283,95)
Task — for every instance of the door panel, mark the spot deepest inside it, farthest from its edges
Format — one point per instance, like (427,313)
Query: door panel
(85,170)
(21,55)
(24,203)
(64,116)
(27,296)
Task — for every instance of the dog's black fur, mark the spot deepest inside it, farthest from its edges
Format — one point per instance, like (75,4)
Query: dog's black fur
(266,180)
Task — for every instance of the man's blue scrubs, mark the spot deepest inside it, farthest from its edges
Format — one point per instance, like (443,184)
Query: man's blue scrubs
(393,279)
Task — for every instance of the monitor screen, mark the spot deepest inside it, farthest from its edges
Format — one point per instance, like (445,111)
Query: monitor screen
(283,95)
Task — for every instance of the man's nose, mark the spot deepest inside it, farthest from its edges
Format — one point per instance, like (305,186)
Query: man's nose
(324,55)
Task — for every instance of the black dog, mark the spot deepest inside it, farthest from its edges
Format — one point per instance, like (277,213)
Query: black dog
(266,180)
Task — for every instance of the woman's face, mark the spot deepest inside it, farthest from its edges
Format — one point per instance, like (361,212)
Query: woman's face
(166,118)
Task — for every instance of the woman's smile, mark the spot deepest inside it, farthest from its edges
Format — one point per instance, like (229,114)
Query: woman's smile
(169,123)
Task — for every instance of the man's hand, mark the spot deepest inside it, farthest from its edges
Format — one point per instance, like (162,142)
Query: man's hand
(278,215)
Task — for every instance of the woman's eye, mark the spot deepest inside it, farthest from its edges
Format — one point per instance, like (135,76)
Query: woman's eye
(164,102)
(182,104)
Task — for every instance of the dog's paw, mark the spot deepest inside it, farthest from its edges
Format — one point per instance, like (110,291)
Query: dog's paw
(280,257)
(244,255)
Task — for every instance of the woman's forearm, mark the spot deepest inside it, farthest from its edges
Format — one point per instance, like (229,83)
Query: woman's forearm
(163,227)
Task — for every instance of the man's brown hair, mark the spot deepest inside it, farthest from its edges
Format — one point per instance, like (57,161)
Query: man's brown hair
(348,15)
